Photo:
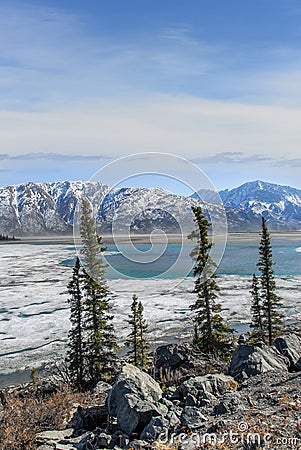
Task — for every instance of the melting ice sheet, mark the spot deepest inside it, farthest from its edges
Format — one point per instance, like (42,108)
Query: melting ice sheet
(34,314)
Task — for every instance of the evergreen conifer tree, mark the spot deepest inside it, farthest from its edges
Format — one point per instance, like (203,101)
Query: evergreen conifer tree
(100,341)
(211,334)
(76,351)
(91,251)
(136,339)
(143,357)
(271,302)
(256,309)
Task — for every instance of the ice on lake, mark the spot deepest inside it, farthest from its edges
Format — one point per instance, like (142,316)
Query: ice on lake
(34,314)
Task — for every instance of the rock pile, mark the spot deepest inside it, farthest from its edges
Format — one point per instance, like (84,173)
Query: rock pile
(259,396)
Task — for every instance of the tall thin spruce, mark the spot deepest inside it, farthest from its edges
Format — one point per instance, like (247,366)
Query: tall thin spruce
(256,310)
(99,331)
(211,334)
(91,354)
(75,352)
(136,340)
(271,302)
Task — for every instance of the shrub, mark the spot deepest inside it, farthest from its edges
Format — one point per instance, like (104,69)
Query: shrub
(24,414)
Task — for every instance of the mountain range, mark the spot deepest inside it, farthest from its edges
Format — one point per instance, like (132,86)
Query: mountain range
(50,208)
(280,205)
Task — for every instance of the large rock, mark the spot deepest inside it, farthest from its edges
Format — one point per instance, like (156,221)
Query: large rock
(52,436)
(203,390)
(192,418)
(173,356)
(176,362)
(154,428)
(63,440)
(289,345)
(229,403)
(298,365)
(89,418)
(250,360)
(134,399)
(102,389)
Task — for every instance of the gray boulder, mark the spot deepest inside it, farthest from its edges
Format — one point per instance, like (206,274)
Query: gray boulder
(139,444)
(154,428)
(250,360)
(102,389)
(229,403)
(119,440)
(289,345)
(89,418)
(203,390)
(191,400)
(52,436)
(175,362)
(103,440)
(63,440)
(45,447)
(134,399)
(192,417)
(173,417)
(172,356)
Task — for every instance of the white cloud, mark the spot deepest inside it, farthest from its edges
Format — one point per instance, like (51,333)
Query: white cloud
(180,125)
(66,90)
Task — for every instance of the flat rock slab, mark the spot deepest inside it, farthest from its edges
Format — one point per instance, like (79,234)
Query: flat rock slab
(54,435)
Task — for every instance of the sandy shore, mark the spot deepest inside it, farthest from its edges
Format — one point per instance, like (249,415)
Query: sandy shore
(155,238)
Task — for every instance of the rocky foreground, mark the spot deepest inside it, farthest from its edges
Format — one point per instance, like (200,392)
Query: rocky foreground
(254,403)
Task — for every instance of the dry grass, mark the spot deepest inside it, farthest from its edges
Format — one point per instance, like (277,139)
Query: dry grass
(23,416)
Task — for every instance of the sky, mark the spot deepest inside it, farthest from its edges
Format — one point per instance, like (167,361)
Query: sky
(85,83)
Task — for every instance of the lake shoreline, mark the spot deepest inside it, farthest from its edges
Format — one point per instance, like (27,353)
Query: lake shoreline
(155,238)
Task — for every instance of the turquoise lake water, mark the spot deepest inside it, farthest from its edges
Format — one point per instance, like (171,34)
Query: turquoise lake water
(239,258)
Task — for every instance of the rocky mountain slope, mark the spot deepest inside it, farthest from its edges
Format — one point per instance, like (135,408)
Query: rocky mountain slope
(49,208)
(281,205)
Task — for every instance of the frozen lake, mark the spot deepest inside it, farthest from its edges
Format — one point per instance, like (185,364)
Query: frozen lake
(34,314)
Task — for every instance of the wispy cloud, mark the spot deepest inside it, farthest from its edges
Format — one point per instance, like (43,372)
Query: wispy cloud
(232,158)
(186,126)
(49,58)
(68,91)
(292,163)
(52,58)
(50,156)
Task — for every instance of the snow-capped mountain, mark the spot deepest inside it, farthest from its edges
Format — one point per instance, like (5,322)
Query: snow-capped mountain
(280,205)
(42,208)
(49,208)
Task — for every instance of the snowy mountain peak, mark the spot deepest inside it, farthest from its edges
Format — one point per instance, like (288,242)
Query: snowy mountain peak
(43,208)
(281,205)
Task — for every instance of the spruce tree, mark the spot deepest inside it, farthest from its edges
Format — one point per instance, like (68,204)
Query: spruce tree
(76,350)
(211,334)
(143,347)
(99,331)
(271,302)
(100,338)
(138,353)
(256,309)
(91,251)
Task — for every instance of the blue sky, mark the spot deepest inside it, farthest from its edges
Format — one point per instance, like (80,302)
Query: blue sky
(84,83)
